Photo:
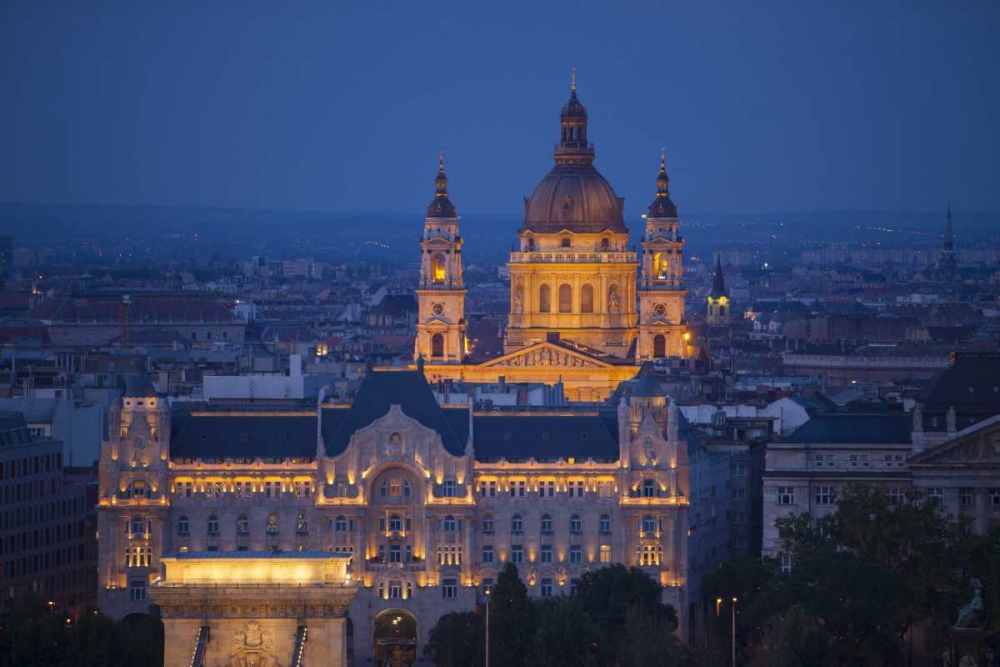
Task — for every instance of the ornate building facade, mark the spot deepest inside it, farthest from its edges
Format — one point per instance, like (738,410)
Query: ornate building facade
(426,502)
(577,313)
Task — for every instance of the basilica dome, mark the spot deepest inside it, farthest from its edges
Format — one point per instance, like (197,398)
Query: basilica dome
(574,196)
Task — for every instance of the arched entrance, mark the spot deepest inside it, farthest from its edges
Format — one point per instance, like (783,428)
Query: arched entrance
(395,639)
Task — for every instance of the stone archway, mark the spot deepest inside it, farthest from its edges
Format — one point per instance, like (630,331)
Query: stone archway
(394,639)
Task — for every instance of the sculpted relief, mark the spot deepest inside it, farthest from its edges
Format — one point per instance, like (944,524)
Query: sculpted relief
(545,358)
(253,647)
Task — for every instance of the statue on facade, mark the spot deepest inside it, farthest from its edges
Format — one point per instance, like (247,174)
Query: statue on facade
(518,300)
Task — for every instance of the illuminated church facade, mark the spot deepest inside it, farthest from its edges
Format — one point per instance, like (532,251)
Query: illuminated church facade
(578,312)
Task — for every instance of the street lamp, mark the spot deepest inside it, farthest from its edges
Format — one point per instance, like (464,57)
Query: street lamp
(734,631)
(488,627)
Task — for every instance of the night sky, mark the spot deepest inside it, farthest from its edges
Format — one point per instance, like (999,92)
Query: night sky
(344,106)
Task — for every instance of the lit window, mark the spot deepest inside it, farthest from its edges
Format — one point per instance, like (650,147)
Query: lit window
(605,554)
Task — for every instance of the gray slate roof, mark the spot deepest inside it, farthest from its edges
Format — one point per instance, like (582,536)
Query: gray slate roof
(841,428)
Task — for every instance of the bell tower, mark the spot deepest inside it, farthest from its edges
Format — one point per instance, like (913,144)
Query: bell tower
(662,332)
(718,301)
(441,295)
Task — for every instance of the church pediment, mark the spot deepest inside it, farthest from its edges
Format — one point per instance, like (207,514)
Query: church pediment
(977,446)
(546,355)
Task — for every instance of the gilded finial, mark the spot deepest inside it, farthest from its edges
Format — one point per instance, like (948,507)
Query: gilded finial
(572,80)
(663,158)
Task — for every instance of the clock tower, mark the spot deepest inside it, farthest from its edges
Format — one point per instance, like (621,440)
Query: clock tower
(441,295)
(662,332)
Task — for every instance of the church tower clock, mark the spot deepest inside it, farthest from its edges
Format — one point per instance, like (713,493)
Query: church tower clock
(441,295)
(662,332)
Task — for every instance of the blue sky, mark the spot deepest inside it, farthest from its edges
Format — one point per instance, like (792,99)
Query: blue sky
(330,106)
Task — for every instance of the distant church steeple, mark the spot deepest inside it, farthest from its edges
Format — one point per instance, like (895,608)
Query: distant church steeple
(718,300)
(948,261)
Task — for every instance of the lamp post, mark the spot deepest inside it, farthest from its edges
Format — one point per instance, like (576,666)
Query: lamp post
(488,627)
(732,638)
(734,631)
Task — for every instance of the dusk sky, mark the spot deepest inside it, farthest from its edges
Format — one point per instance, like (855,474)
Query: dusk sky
(344,106)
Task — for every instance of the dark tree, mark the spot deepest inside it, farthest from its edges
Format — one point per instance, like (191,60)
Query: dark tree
(512,620)
(457,641)
(566,636)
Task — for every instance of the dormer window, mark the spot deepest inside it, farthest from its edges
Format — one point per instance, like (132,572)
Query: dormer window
(139,489)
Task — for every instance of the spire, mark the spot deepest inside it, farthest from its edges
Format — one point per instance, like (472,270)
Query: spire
(573,148)
(718,284)
(948,261)
(949,232)
(441,207)
(662,206)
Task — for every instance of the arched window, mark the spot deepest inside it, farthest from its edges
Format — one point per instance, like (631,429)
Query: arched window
(546,523)
(213,525)
(437,346)
(183,526)
(395,522)
(605,523)
(544,299)
(575,524)
(272,524)
(449,524)
(340,524)
(648,524)
(438,271)
(243,525)
(587,299)
(565,298)
(660,266)
(301,523)
(517,524)
(648,488)
(659,346)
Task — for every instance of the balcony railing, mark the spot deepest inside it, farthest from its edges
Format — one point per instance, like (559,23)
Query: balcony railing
(572,257)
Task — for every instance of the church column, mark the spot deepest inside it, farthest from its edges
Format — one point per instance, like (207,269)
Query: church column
(981,522)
